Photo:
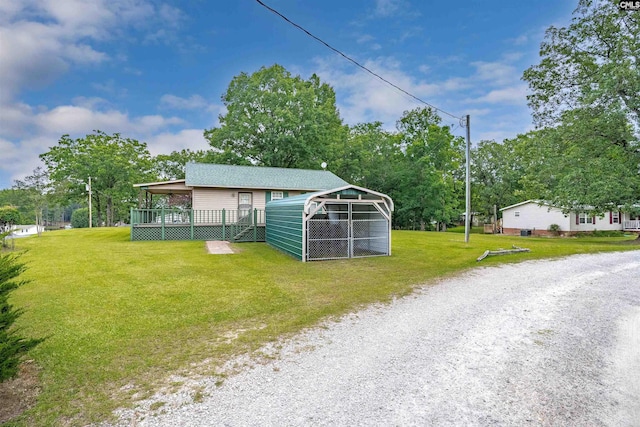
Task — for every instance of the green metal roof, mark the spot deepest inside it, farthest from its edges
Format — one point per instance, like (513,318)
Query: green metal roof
(304,199)
(228,176)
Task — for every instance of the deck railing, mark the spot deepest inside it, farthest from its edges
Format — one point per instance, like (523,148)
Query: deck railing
(198,224)
(631,225)
(196,216)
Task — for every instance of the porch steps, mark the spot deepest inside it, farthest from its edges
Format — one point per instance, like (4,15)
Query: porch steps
(243,233)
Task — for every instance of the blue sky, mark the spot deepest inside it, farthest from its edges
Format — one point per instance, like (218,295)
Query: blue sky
(155,70)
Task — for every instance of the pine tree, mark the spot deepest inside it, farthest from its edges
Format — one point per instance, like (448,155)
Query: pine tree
(12,346)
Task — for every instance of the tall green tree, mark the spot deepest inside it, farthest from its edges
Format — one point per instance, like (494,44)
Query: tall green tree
(431,184)
(592,62)
(113,162)
(9,216)
(496,170)
(368,157)
(35,187)
(276,119)
(172,166)
(586,90)
(20,200)
(590,159)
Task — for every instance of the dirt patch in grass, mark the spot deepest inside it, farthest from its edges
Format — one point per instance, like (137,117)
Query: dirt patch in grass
(20,393)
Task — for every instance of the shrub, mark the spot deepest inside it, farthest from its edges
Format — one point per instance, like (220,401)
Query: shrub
(12,346)
(554,229)
(8,216)
(80,218)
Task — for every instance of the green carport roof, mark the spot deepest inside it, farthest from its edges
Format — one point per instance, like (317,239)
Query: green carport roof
(228,176)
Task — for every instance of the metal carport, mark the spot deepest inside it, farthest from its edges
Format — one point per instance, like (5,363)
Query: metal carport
(344,222)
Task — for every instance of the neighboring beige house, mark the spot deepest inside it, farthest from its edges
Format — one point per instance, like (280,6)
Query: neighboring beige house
(538,216)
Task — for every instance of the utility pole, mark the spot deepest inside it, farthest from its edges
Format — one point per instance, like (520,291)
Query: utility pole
(467,216)
(89,188)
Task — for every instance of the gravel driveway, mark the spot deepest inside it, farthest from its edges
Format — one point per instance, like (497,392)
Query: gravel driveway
(537,343)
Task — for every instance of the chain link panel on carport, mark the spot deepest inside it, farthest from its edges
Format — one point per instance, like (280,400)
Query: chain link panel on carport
(343,238)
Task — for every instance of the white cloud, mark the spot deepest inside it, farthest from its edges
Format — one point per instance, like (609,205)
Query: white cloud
(15,120)
(478,112)
(20,159)
(80,120)
(385,8)
(364,38)
(41,39)
(509,95)
(110,88)
(520,40)
(90,102)
(363,97)
(483,89)
(409,33)
(512,56)
(164,143)
(194,102)
(393,8)
(507,124)
(496,73)
(34,132)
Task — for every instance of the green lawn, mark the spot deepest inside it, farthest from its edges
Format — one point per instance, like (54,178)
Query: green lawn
(120,313)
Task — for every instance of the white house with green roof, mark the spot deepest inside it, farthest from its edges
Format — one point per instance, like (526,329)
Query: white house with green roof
(226,202)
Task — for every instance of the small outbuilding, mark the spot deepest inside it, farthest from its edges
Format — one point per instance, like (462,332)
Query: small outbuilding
(344,222)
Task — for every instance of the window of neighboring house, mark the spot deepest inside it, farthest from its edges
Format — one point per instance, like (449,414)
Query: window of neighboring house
(585,218)
(517,213)
(615,217)
(275,195)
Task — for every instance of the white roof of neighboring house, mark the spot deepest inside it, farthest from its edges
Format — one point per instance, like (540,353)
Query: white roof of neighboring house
(537,202)
(542,203)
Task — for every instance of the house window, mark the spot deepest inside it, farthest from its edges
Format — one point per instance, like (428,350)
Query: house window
(584,218)
(275,195)
(615,217)
(517,213)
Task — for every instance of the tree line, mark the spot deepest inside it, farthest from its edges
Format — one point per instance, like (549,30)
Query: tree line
(584,152)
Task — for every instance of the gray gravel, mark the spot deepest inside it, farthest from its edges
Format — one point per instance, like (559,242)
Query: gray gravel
(552,343)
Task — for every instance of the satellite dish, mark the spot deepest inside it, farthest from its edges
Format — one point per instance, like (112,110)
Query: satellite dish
(324,165)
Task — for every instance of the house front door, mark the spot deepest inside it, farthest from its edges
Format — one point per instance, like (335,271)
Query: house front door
(245,204)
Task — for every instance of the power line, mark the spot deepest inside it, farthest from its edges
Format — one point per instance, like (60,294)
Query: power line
(356,62)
